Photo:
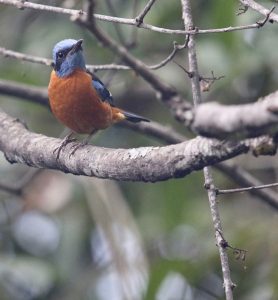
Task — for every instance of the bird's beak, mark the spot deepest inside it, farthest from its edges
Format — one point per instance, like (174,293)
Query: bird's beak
(76,47)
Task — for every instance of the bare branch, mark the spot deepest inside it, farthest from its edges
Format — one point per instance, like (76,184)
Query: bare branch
(140,18)
(137,164)
(164,62)
(25,57)
(132,22)
(263,22)
(237,121)
(40,96)
(207,82)
(246,189)
(74,13)
(49,62)
(261,9)
(239,253)
(228,284)
(244,178)
(163,133)
(209,183)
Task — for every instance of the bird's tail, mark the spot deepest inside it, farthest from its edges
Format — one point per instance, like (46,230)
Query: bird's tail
(119,115)
(133,117)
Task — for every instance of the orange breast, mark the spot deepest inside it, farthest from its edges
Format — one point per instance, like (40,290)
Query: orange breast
(76,104)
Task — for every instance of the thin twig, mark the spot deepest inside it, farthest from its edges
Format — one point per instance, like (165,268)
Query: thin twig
(25,57)
(263,22)
(244,178)
(140,18)
(239,253)
(196,91)
(164,62)
(246,189)
(75,13)
(166,90)
(207,82)
(48,62)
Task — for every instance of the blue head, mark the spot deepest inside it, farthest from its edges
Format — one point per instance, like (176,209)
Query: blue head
(68,56)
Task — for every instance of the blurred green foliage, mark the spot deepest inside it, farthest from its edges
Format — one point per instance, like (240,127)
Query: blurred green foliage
(173,217)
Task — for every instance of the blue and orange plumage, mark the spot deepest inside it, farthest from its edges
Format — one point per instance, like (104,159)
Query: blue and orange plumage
(78,99)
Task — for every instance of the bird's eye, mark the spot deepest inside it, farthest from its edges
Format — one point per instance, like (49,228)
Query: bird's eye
(60,54)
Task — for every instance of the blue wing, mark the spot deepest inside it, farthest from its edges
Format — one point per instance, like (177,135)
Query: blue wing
(102,91)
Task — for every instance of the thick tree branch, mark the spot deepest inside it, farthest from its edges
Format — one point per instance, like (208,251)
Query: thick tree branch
(153,129)
(237,121)
(138,164)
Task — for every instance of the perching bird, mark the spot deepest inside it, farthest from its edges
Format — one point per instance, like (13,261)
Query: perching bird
(78,99)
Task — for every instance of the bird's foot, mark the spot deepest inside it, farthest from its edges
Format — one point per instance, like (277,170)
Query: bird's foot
(74,148)
(83,143)
(66,140)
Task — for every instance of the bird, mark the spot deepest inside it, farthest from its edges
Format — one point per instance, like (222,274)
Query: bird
(78,98)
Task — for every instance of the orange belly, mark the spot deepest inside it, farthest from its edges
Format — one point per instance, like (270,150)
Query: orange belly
(76,104)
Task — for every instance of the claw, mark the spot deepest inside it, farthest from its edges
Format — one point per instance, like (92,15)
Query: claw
(74,148)
(66,140)
(82,144)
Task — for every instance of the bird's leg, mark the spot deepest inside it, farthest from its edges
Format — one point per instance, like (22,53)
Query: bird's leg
(83,143)
(66,140)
